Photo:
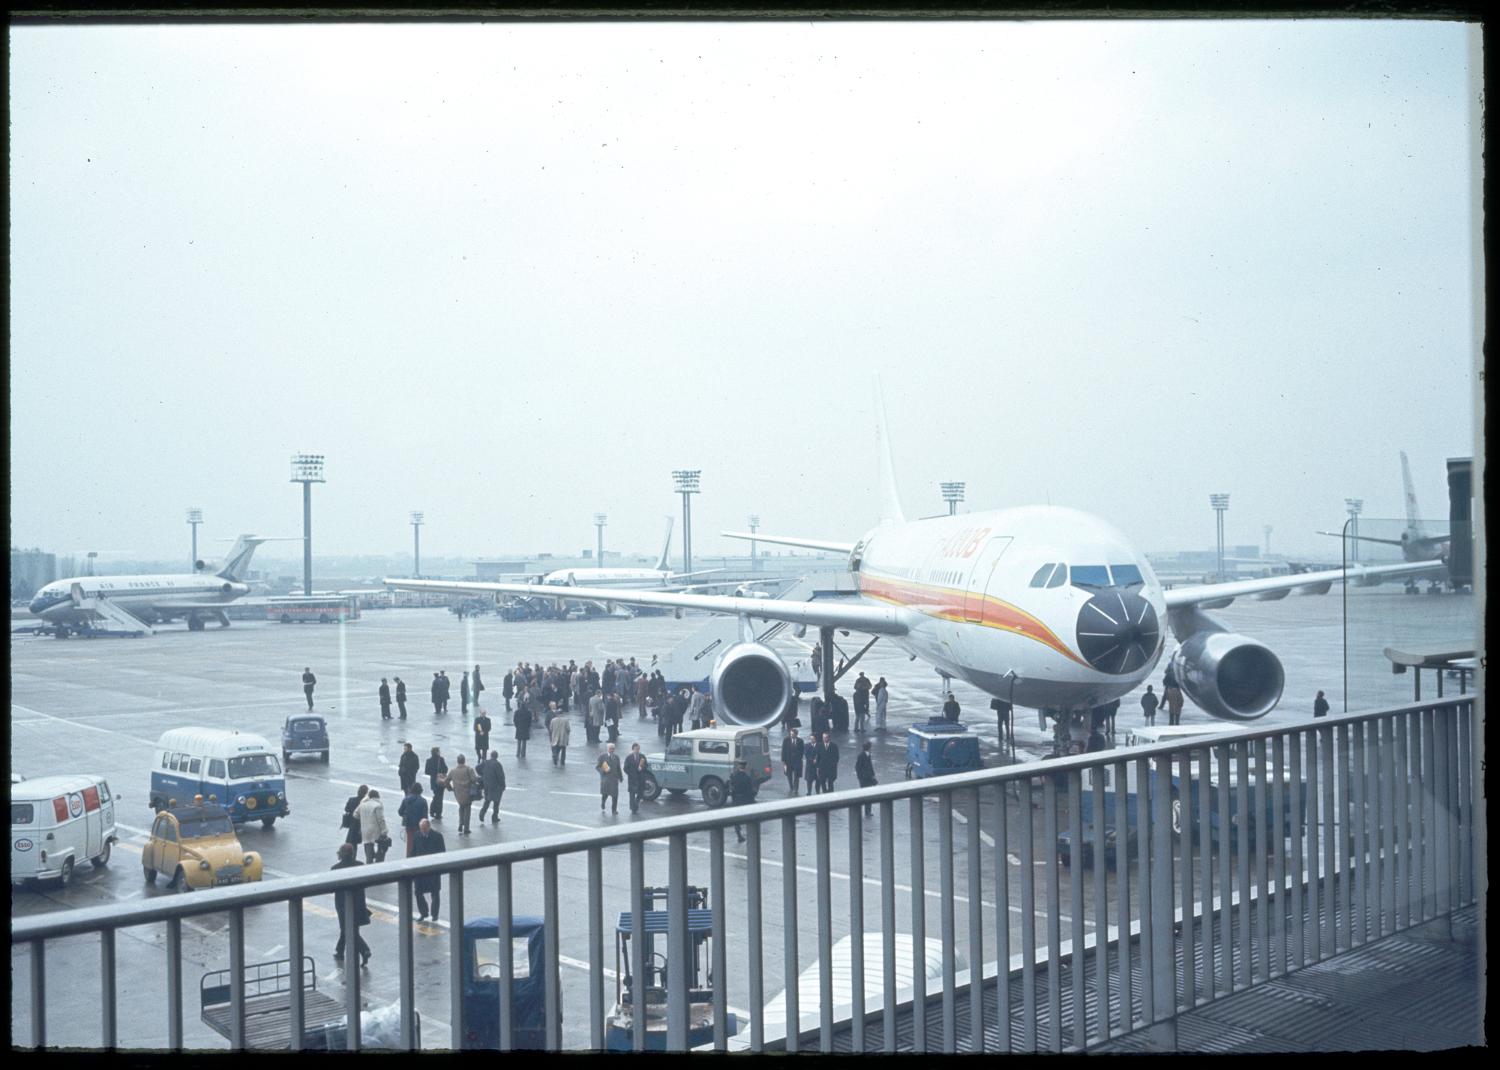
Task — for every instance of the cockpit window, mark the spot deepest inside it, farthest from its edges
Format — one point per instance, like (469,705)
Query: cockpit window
(1126,575)
(1042,575)
(1059,577)
(1090,576)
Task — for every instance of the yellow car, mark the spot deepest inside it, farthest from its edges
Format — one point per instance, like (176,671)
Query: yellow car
(197,845)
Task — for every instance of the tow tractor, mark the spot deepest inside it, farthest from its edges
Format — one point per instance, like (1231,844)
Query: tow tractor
(649,993)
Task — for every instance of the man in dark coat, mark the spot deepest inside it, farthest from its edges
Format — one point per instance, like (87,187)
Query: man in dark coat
(445,687)
(492,776)
(437,779)
(741,792)
(840,713)
(309,681)
(828,763)
(351,815)
(1149,702)
(401,697)
(636,768)
(817,719)
(508,689)
(950,709)
(1320,706)
(356,897)
(476,685)
(791,759)
(463,694)
(385,700)
(861,702)
(864,772)
(523,728)
(408,767)
(482,726)
(811,758)
(428,841)
(413,814)
(437,694)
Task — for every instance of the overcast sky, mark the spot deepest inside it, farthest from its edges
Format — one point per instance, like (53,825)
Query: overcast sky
(514,275)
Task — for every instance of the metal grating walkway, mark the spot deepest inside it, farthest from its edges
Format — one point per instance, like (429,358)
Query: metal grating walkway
(1414,991)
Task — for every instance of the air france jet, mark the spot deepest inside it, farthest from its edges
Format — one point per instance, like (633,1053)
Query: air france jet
(658,578)
(133,603)
(1043,607)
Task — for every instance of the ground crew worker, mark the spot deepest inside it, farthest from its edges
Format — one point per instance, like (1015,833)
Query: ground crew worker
(309,681)
(950,709)
(882,693)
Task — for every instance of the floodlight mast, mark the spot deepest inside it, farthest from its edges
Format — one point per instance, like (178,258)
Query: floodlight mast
(686,481)
(307,469)
(416,544)
(194,518)
(953,493)
(1220,502)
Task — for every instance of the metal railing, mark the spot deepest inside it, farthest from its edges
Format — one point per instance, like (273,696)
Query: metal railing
(1371,833)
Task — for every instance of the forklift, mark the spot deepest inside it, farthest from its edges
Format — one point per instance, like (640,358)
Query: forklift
(650,995)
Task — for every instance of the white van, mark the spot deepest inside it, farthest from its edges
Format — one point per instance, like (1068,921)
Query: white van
(57,822)
(238,770)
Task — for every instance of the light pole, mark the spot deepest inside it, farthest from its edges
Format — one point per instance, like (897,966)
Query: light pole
(1220,503)
(600,519)
(194,518)
(416,545)
(687,485)
(1267,530)
(1355,507)
(953,493)
(754,527)
(307,469)
(92,554)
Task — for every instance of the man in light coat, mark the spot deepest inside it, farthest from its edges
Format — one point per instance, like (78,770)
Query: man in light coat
(611,772)
(462,781)
(492,776)
(558,732)
(595,717)
(373,831)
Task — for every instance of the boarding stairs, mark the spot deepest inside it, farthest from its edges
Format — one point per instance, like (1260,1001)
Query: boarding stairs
(117,617)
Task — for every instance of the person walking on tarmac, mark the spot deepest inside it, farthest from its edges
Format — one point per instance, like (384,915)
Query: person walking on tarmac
(828,764)
(351,813)
(1320,706)
(355,897)
(492,776)
(476,685)
(385,700)
(741,793)
(636,768)
(374,833)
(523,729)
(1149,702)
(413,813)
(401,697)
(862,687)
(811,759)
(462,782)
(508,689)
(463,694)
(428,841)
(408,767)
(445,687)
(864,772)
(1171,697)
(558,731)
(437,694)
(437,779)
(482,726)
(309,681)
(791,759)
(611,772)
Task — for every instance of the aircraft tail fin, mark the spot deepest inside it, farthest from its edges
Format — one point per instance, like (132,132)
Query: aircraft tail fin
(666,546)
(890,498)
(238,560)
(1413,514)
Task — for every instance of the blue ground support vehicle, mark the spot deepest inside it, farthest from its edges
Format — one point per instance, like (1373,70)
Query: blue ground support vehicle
(1261,802)
(940,747)
(651,993)
(303,733)
(481,971)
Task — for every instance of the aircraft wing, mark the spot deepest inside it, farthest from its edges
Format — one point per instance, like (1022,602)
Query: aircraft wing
(1216,595)
(854,614)
(792,540)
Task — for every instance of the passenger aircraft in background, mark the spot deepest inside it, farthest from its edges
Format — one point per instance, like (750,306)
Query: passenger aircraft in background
(133,603)
(1415,542)
(1041,606)
(659,578)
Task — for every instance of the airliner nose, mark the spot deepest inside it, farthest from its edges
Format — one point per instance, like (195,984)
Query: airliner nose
(1117,631)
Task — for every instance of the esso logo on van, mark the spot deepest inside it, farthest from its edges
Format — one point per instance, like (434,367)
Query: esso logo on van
(23,845)
(75,804)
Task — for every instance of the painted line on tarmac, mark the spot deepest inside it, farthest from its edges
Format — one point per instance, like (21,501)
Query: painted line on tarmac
(984,837)
(78,724)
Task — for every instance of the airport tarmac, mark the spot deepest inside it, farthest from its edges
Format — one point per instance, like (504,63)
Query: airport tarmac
(98,706)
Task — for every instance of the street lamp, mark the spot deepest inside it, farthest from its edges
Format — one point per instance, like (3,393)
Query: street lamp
(600,519)
(194,518)
(416,544)
(754,527)
(686,480)
(1220,503)
(953,493)
(1355,507)
(307,469)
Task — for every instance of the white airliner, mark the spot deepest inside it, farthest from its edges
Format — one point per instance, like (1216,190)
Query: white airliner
(133,603)
(1043,607)
(659,578)
(1415,542)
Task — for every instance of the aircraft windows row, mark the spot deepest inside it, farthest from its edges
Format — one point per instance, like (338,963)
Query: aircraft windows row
(1050,575)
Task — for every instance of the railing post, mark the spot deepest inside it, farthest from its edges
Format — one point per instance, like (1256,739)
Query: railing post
(1258,789)
(294,953)
(551,965)
(1002,917)
(1054,914)
(1123,838)
(352,1035)
(888,925)
(596,946)
(1077,959)
(679,944)
(39,995)
(1202,812)
(406,954)
(174,984)
(637,945)
(1297,801)
(1163,981)
(825,931)
(718,901)
(456,917)
(790,968)
(976,924)
(918,930)
(947,922)
(109,1030)
(856,930)
(1027,851)
(755,923)
(237,979)
(505,908)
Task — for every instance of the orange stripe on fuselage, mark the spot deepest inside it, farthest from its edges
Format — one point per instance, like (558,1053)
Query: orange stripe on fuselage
(947,603)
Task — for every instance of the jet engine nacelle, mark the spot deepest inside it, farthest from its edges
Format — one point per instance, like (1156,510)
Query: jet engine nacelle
(1228,675)
(751,686)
